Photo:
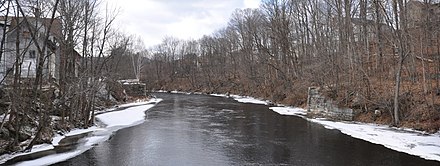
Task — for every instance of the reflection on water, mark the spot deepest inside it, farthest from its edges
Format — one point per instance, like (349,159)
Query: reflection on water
(205,130)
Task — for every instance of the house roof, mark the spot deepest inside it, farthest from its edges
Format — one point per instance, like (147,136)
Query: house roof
(56,29)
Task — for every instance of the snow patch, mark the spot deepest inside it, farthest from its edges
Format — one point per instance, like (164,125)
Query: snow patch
(289,111)
(218,95)
(41,147)
(81,131)
(139,102)
(35,149)
(180,92)
(56,140)
(247,99)
(130,116)
(243,99)
(51,159)
(402,140)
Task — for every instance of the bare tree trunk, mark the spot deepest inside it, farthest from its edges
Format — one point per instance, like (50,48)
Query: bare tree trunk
(14,112)
(397,90)
(379,43)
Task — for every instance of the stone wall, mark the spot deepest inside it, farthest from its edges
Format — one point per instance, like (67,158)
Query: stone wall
(319,105)
(135,90)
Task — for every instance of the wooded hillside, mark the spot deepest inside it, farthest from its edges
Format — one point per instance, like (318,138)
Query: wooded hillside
(367,55)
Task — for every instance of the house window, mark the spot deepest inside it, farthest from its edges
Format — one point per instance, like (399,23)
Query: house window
(32,54)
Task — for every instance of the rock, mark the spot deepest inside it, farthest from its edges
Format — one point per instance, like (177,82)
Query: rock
(135,89)
(377,112)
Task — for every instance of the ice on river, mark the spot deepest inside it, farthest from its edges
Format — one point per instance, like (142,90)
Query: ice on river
(113,121)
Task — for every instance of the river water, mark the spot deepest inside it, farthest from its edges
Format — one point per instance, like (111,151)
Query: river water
(206,130)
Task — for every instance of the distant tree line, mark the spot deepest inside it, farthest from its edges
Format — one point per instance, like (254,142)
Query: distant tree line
(367,55)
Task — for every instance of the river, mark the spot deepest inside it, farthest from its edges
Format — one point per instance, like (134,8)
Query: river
(206,130)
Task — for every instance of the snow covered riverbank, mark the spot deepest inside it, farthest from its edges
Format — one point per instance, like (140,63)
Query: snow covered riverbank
(134,114)
(408,141)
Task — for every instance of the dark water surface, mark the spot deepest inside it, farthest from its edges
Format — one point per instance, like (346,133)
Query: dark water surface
(209,131)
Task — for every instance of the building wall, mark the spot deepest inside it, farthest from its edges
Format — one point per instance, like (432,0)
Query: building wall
(29,50)
(2,62)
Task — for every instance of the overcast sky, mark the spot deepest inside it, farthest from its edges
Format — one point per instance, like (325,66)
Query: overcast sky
(185,19)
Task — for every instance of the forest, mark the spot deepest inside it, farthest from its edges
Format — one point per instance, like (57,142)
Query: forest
(366,55)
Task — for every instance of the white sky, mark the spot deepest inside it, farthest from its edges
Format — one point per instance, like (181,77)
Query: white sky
(153,20)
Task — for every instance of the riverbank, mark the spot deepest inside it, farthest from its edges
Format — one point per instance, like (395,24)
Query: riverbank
(417,143)
(108,122)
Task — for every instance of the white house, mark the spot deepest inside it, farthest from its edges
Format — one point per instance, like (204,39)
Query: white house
(19,35)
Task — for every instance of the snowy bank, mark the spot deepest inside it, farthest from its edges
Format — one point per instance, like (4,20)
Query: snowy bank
(409,141)
(243,99)
(402,140)
(289,111)
(133,115)
(127,117)
(247,99)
